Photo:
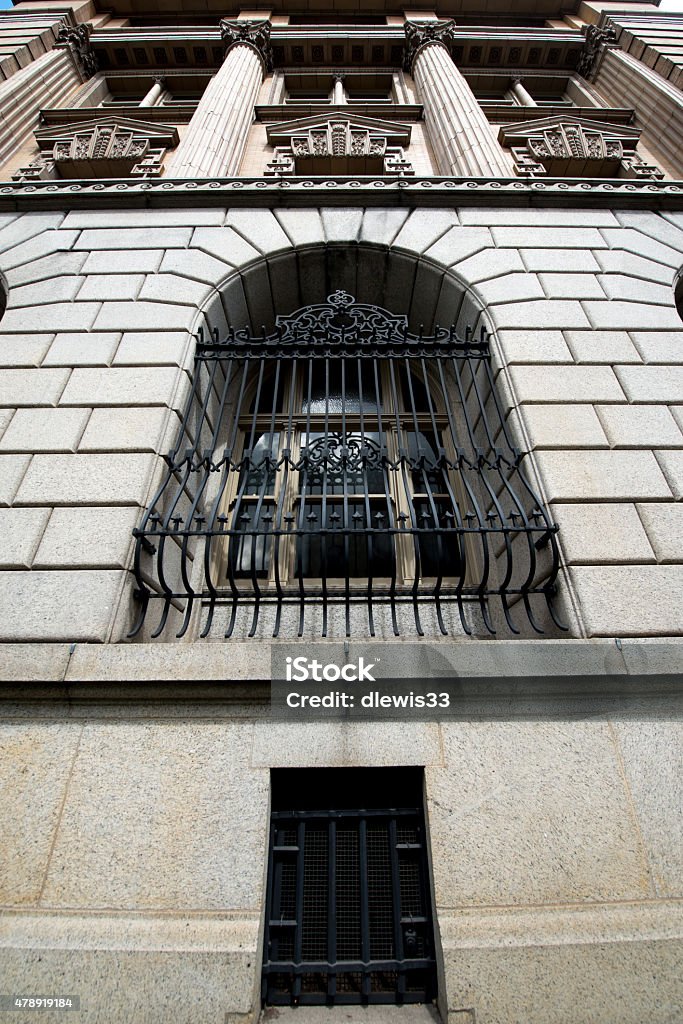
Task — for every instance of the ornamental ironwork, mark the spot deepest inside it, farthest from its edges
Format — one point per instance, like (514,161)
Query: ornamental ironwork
(344,462)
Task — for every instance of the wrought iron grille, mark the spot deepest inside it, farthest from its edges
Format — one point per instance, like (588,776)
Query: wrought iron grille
(344,461)
(348,912)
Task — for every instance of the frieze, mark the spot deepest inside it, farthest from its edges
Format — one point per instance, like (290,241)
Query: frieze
(338,145)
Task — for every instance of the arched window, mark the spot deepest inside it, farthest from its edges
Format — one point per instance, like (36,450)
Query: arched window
(343,461)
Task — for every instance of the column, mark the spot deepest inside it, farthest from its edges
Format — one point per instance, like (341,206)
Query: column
(524,97)
(150,98)
(217,134)
(339,92)
(459,131)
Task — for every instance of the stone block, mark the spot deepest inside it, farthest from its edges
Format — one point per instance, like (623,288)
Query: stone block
(27,226)
(459,244)
(510,288)
(635,600)
(225,244)
(548,238)
(196,800)
(382,225)
(119,385)
(602,347)
(541,313)
(672,466)
(21,530)
(31,387)
(195,264)
(60,288)
(12,470)
(652,757)
(563,426)
(616,261)
(23,349)
(142,218)
(659,346)
(664,525)
(82,349)
(32,251)
(37,758)
(260,228)
(571,286)
(111,479)
(56,606)
(52,316)
(26,663)
(127,430)
(652,383)
(632,315)
(5,419)
(533,219)
(134,238)
(174,288)
(341,223)
(302,227)
(603,533)
(565,384)
(423,228)
(135,261)
(601,475)
(44,430)
(153,348)
(86,538)
(488,812)
(638,244)
(632,289)
(654,225)
(488,263)
(140,316)
(560,260)
(106,287)
(535,347)
(639,426)
(330,744)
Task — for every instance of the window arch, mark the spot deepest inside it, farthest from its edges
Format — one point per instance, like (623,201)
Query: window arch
(338,461)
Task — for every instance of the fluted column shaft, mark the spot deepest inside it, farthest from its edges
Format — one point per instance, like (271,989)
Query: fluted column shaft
(460,133)
(217,134)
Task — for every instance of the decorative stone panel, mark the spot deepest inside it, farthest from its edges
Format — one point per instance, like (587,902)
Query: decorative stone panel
(574,147)
(338,145)
(105,148)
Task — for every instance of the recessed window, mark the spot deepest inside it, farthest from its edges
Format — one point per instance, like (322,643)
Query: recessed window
(349,908)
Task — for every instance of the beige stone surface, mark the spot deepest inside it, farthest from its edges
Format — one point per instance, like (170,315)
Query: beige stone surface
(87,538)
(21,530)
(44,430)
(664,525)
(36,762)
(83,479)
(330,744)
(602,532)
(58,606)
(630,600)
(607,475)
(563,426)
(162,815)
(532,813)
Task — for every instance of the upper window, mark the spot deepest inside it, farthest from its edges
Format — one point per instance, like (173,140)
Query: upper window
(343,461)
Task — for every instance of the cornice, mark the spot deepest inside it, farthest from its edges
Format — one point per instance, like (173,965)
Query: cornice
(385,111)
(307,192)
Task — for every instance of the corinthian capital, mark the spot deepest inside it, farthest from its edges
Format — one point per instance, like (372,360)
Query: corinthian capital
(78,41)
(254,33)
(421,33)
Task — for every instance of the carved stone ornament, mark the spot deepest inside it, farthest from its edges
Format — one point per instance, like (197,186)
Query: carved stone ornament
(338,145)
(78,40)
(255,33)
(105,148)
(597,39)
(420,33)
(572,147)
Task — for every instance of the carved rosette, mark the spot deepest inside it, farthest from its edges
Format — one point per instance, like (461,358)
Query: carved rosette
(77,39)
(252,33)
(425,33)
(597,39)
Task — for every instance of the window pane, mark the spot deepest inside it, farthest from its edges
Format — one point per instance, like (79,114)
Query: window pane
(355,384)
(333,555)
(259,473)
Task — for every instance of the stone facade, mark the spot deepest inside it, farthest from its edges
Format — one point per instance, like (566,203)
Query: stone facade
(136,785)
